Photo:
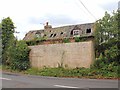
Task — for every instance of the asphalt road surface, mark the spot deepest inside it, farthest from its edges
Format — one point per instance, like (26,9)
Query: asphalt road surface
(10,80)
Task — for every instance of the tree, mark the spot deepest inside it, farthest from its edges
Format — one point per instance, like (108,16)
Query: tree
(106,37)
(0,44)
(15,53)
(8,38)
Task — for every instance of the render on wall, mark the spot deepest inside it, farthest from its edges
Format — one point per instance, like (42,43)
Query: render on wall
(68,55)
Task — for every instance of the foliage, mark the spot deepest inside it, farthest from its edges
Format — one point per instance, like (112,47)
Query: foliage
(77,39)
(66,40)
(77,72)
(112,54)
(8,38)
(20,56)
(31,42)
(106,37)
(107,44)
(35,41)
(0,44)
(14,53)
(81,39)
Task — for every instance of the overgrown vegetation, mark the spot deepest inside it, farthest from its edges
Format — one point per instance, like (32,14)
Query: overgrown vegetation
(0,44)
(107,43)
(36,41)
(82,39)
(14,53)
(92,73)
(77,72)
(77,39)
(41,40)
(106,50)
(66,40)
(20,56)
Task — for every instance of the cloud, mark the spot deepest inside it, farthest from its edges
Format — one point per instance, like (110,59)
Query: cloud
(53,19)
(28,14)
(110,6)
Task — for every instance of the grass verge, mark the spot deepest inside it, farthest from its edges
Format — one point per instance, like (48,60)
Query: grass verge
(72,73)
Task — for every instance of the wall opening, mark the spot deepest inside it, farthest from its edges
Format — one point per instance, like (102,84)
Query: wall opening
(61,33)
(88,30)
(76,32)
(51,35)
(54,35)
(44,35)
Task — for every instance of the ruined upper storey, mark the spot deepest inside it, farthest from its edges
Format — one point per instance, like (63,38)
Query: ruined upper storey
(49,33)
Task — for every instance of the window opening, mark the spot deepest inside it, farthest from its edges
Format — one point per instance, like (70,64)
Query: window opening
(88,30)
(76,32)
(61,33)
(54,35)
(51,35)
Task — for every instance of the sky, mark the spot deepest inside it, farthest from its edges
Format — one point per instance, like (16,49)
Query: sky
(33,14)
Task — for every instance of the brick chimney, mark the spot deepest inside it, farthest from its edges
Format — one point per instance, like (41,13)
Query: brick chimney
(47,26)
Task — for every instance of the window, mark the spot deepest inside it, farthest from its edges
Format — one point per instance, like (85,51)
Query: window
(51,35)
(76,32)
(61,33)
(54,35)
(44,35)
(88,30)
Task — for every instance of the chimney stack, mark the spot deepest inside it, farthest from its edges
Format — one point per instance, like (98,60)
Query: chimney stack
(47,26)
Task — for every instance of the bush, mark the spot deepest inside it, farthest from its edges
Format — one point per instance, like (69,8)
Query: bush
(77,39)
(31,42)
(36,41)
(112,54)
(105,67)
(20,56)
(99,62)
(81,39)
(66,40)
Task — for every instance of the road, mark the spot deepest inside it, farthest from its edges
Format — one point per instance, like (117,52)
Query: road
(10,80)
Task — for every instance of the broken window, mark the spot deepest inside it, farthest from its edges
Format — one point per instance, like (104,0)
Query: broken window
(61,33)
(44,35)
(88,30)
(54,35)
(51,35)
(76,32)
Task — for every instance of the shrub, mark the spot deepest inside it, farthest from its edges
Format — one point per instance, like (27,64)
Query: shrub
(112,54)
(77,39)
(31,42)
(20,56)
(66,40)
(99,62)
(36,41)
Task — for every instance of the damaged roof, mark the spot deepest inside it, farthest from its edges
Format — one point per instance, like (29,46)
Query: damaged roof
(61,32)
